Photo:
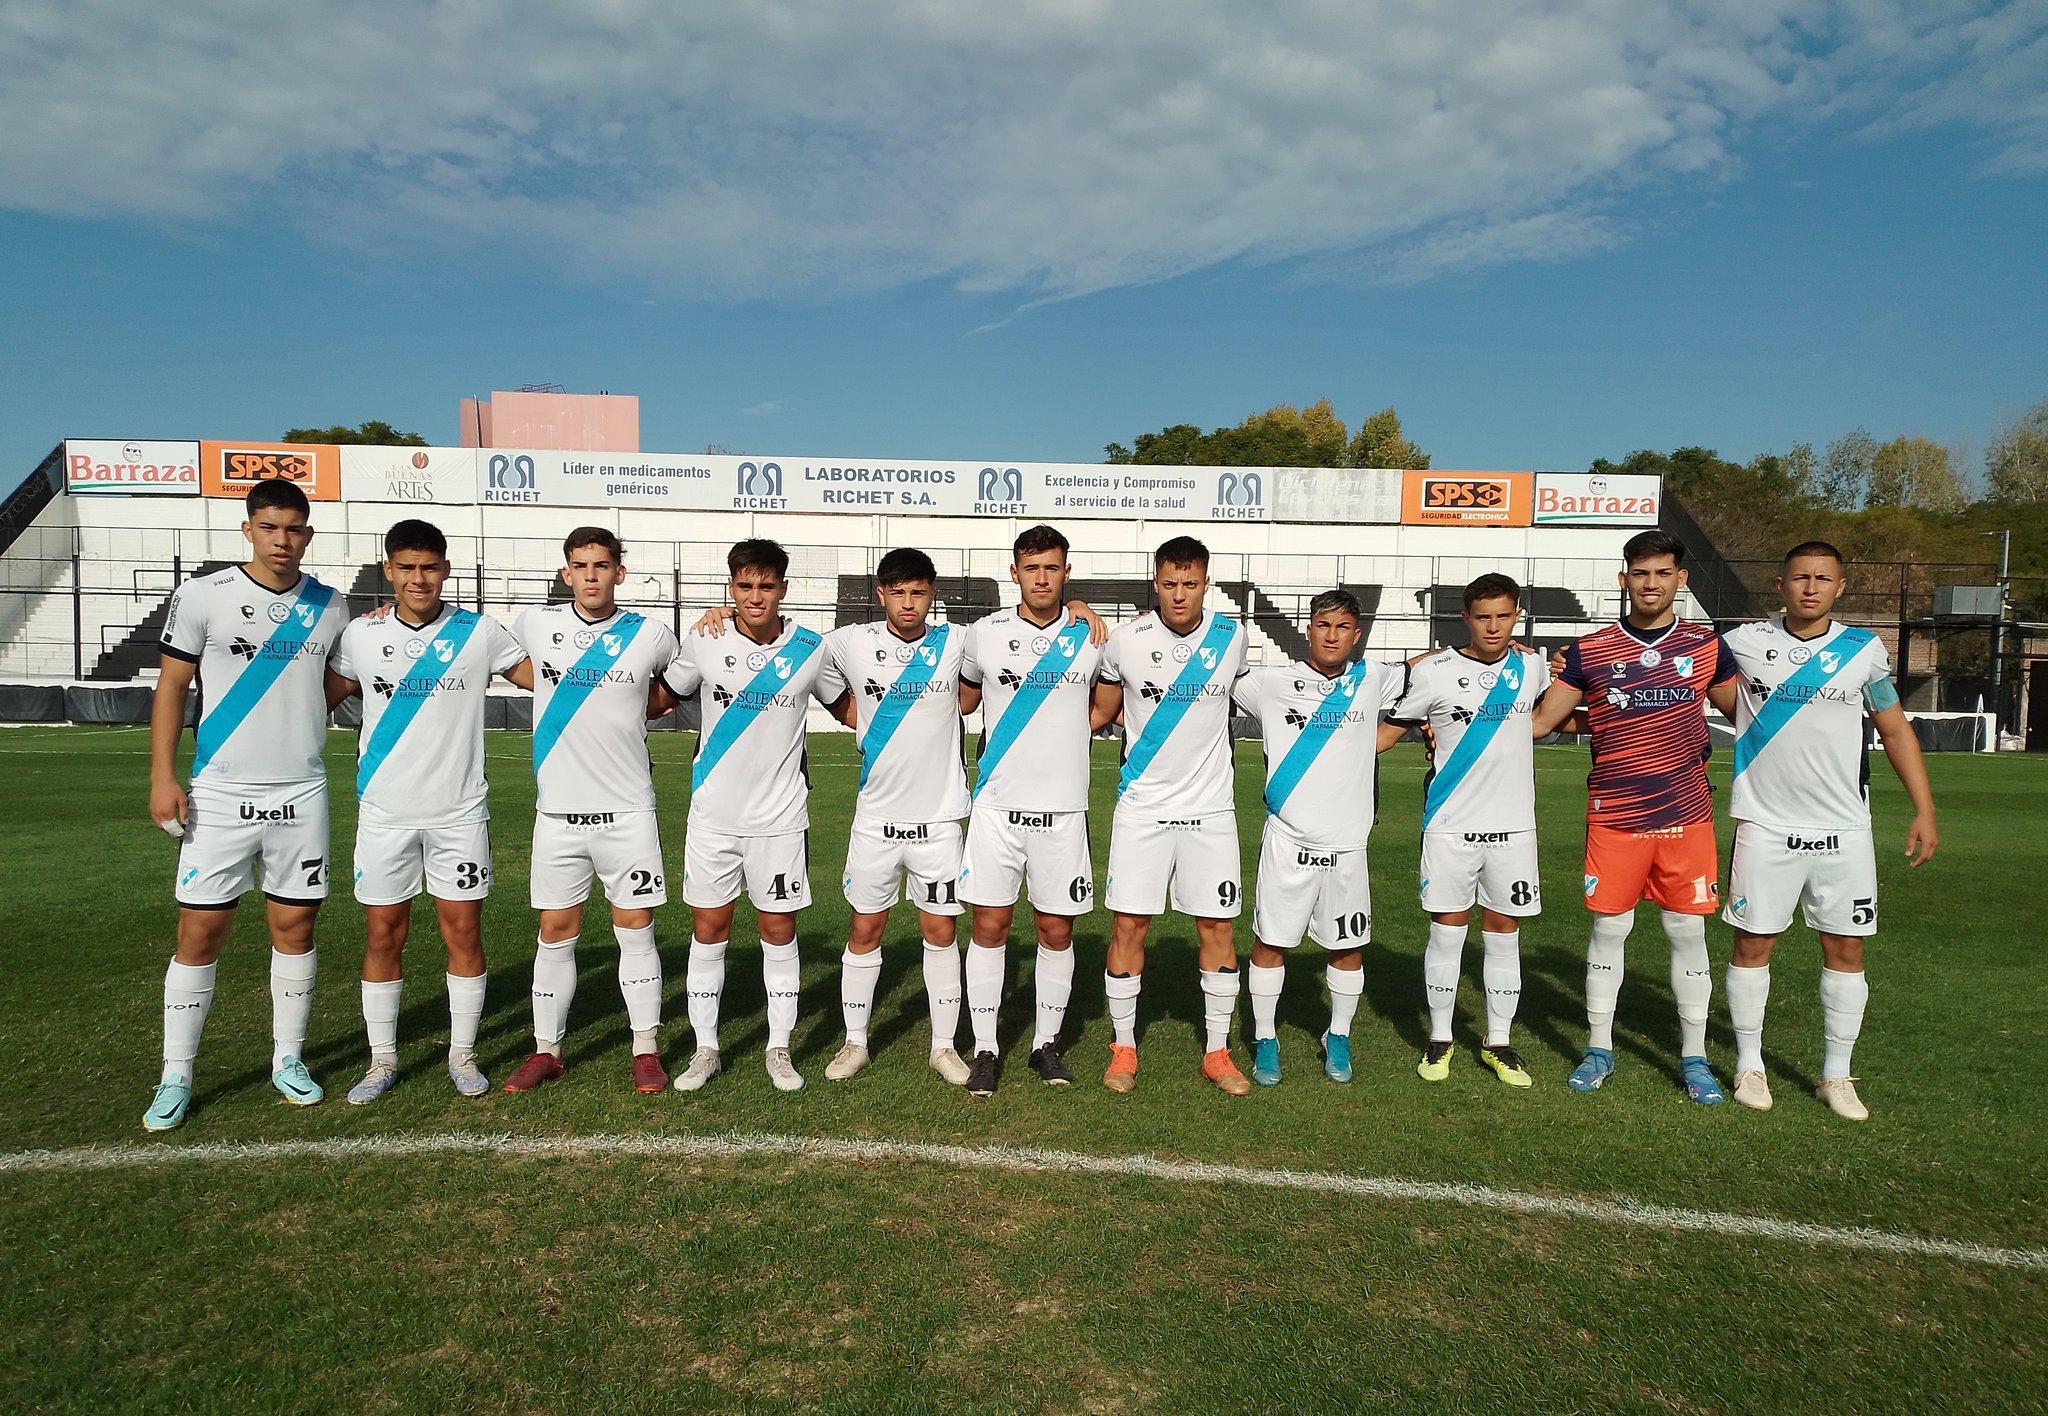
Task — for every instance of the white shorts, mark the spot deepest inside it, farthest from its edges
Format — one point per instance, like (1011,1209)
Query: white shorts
(620,848)
(1830,875)
(1496,867)
(1303,889)
(775,870)
(393,862)
(1048,850)
(882,855)
(228,830)
(1192,859)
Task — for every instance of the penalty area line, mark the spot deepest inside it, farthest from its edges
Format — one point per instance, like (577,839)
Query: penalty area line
(1622,1212)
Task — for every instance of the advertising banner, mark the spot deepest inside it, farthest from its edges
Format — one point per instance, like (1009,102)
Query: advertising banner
(131,468)
(1346,494)
(441,475)
(1466,498)
(1591,499)
(230,469)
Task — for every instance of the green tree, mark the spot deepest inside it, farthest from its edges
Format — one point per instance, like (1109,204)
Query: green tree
(1915,472)
(1380,443)
(1282,436)
(1844,475)
(2016,463)
(371,434)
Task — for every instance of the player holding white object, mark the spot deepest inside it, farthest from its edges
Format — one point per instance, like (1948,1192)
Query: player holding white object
(1321,724)
(749,801)
(1029,670)
(1478,817)
(595,667)
(256,637)
(1174,833)
(1802,811)
(422,672)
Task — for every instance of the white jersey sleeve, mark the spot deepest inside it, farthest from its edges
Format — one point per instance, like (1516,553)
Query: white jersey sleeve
(1482,775)
(1800,758)
(1321,740)
(1036,682)
(590,683)
(420,754)
(261,668)
(749,774)
(907,706)
(1177,758)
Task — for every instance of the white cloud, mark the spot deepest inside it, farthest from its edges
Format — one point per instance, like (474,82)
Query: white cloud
(1043,148)
(763,408)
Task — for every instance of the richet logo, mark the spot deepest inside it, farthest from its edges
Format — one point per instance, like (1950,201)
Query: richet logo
(510,479)
(758,487)
(999,491)
(1239,497)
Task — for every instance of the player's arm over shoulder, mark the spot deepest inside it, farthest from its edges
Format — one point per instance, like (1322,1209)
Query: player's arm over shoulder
(1565,693)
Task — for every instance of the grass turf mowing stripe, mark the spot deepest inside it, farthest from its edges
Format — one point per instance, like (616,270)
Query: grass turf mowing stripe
(1017,1159)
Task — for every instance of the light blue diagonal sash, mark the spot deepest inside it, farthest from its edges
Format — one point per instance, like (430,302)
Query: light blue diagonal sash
(1028,699)
(902,695)
(580,682)
(1800,688)
(1180,696)
(744,710)
(1315,736)
(275,654)
(1472,743)
(412,694)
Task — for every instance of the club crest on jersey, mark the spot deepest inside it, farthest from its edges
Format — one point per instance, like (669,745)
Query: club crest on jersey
(1513,675)
(278,613)
(444,651)
(928,654)
(1039,645)
(1650,658)
(1326,687)
(1181,653)
(1066,649)
(415,647)
(612,645)
(1683,663)
(904,652)
(1830,660)
(1489,679)
(756,660)
(585,638)
(1208,658)
(1800,654)
(783,666)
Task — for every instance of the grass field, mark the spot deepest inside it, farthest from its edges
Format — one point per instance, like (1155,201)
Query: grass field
(771,1278)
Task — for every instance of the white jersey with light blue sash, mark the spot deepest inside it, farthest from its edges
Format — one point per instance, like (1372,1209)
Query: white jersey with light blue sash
(1322,746)
(420,756)
(1483,774)
(1035,682)
(590,682)
(1799,755)
(1177,754)
(906,696)
(748,778)
(262,668)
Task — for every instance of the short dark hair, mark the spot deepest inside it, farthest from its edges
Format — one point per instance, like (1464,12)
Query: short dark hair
(757,554)
(1645,545)
(905,564)
(594,536)
(413,534)
(1812,548)
(1181,550)
(1035,540)
(1341,600)
(1491,586)
(279,494)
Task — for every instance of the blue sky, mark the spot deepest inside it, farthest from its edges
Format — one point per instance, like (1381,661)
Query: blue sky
(1545,232)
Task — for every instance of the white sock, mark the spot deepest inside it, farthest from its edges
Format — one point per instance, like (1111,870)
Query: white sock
(554,989)
(1122,990)
(1842,999)
(781,975)
(640,984)
(942,993)
(1692,979)
(188,994)
(984,993)
(465,1013)
(705,981)
(1443,958)
(1055,985)
(1604,953)
(1265,985)
(1502,975)
(291,1003)
(858,975)
(1345,986)
(380,1018)
(1748,991)
(1219,1005)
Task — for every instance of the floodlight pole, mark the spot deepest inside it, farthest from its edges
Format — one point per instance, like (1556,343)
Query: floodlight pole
(1998,629)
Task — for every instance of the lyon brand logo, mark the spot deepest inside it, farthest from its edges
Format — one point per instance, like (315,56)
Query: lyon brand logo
(1000,484)
(1247,490)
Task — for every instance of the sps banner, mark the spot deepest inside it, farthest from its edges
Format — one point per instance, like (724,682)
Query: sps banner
(443,476)
(1595,499)
(230,469)
(131,468)
(1465,498)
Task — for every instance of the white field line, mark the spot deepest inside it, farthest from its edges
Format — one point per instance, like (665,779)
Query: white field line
(1625,1212)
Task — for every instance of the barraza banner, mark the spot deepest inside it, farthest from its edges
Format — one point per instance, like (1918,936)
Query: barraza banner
(131,468)
(1595,499)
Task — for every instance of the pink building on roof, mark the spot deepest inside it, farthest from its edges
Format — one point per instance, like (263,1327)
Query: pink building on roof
(544,418)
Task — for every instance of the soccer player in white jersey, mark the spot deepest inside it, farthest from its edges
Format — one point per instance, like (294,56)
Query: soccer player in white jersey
(1478,817)
(422,820)
(1321,724)
(1802,811)
(256,638)
(1029,669)
(1173,837)
(595,666)
(749,801)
